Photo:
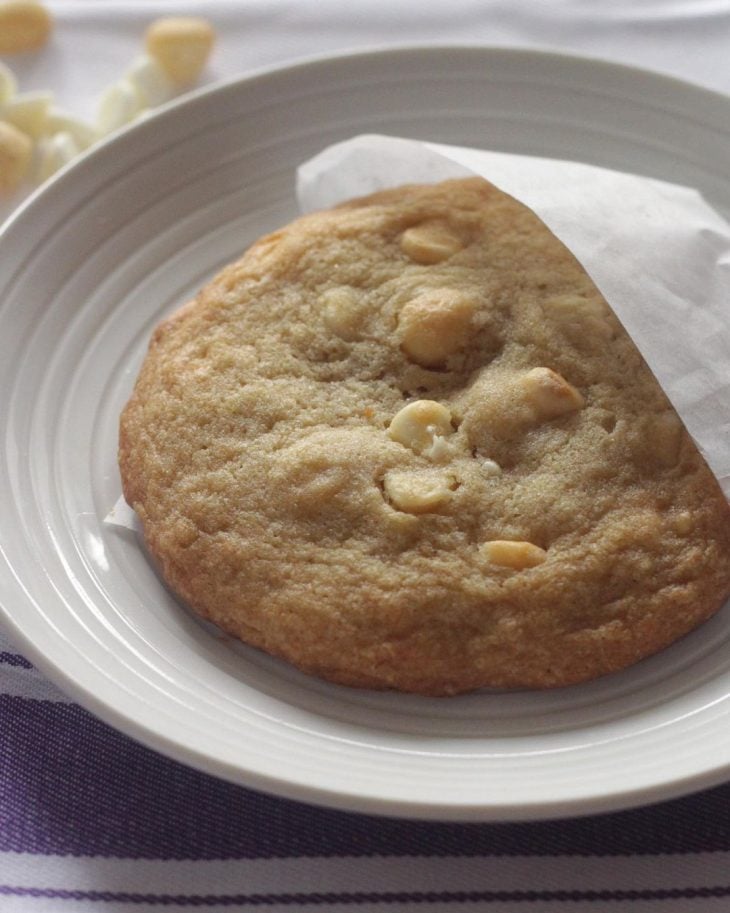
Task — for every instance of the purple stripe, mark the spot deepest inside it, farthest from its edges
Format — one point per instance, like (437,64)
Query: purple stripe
(362,897)
(70,785)
(15,659)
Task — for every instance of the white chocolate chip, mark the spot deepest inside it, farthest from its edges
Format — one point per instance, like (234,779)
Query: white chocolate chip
(435,325)
(60,121)
(152,83)
(55,152)
(181,45)
(28,112)
(549,394)
(16,150)
(8,83)
(24,26)
(490,468)
(118,106)
(342,312)
(517,555)
(430,242)
(420,491)
(418,424)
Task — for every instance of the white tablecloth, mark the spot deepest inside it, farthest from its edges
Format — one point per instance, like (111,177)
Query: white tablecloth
(89,819)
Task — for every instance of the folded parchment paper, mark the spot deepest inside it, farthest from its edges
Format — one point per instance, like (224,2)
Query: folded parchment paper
(658,252)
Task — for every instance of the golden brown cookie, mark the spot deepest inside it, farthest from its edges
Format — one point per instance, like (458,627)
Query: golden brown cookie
(406,444)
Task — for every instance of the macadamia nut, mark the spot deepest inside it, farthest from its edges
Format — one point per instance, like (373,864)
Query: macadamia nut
(420,424)
(549,394)
(517,555)
(24,26)
(420,491)
(435,325)
(430,242)
(181,45)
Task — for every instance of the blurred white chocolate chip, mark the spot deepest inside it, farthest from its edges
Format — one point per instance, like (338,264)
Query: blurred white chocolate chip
(421,425)
(16,150)
(181,45)
(419,491)
(8,83)
(549,394)
(118,106)
(24,26)
(430,242)
(517,555)
(55,152)
(342,312)
(152,83)
(60,121)
(434,325)
(28,112)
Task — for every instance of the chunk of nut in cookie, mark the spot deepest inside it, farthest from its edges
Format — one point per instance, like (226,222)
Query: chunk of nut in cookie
(419,491)
(549,394)
(517,555)
(435,325)
(342,312)
(430,242)
(422,426)
(665,432)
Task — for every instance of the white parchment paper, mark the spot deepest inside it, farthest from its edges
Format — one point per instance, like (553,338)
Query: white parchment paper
(658,252)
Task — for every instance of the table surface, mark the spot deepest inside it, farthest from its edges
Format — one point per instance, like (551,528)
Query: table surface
(89,818)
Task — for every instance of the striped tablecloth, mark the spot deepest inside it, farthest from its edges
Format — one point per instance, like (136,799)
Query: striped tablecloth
(91,820)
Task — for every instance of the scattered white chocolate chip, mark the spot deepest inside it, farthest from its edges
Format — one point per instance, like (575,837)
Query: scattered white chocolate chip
(181,45)
(152,83)
(24,26)
(434,325)
(430,242)
(60,121)
(8,83)
(418,424)
(55,152)
(420,491)
(342,312)
(28,112)
(549,394)
(118,106)
(514,554)
(16,150)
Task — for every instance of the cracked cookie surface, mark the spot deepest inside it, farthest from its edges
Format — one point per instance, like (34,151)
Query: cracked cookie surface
(406,444)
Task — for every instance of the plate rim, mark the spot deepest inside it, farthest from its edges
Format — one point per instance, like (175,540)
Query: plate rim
(275,784)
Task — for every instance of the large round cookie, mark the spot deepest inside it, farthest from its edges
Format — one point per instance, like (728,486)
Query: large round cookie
(406,444)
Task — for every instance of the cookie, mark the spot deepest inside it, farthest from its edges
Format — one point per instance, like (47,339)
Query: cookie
(405,444)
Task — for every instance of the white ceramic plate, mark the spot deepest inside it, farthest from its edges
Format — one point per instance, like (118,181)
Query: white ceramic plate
(88,267)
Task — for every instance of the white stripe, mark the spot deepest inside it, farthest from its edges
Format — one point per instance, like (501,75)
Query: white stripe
(351,874)
(18,681)
(40,905)
(29,683)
